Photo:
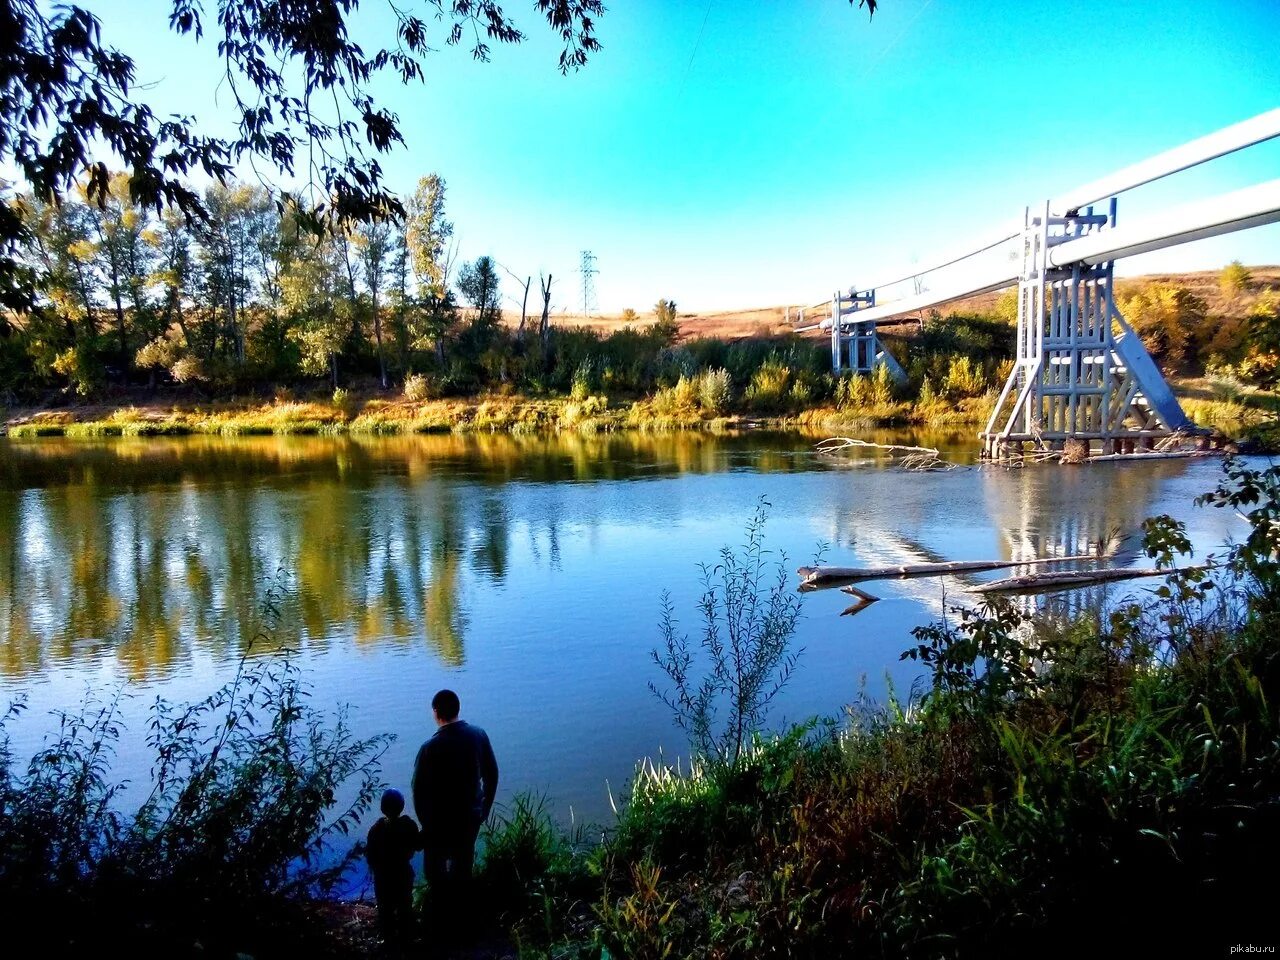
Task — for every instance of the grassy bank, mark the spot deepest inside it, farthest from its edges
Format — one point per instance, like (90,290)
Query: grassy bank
(854,404)
(498,413)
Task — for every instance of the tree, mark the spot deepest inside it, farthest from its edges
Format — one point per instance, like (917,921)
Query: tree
(1234,280)
(313,293)
(175,268)
(1261,363)
(427,234)
(544,324)
(62,92)
(1167,317)
(478,284)
(122,258)
(230,265)
(375,245)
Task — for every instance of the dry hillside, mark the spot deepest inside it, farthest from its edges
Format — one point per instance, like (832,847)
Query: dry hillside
(766,321)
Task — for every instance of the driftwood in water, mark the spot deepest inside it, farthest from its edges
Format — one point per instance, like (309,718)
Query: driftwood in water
(832,444)
(818,578)
(915,459)
(864,600)
(1069,580)
(1160,455)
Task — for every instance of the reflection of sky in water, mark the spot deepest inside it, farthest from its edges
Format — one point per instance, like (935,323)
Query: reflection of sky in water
(524,574)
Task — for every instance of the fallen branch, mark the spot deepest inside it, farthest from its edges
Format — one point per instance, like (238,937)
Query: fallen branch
(832,444)
(1069,580)
(818,578)
(864,600)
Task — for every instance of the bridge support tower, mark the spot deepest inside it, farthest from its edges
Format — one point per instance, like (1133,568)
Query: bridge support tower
(855,345)
(1082,380)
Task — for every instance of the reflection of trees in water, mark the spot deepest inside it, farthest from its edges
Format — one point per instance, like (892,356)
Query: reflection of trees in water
(145,550)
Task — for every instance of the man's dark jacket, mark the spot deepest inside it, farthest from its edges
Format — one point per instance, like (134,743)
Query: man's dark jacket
(455,779)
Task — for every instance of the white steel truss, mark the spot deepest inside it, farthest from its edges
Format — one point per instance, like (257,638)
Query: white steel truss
(855,345)
(1080,372)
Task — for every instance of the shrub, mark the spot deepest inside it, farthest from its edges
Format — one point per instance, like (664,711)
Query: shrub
(528,868)
(188,369)
(664,312)
(964,379)
(749,616)
(715,391)
(1006,307)
(769,385)
(680,400)
(417,388)
(1261,362)
(583,379)
(239,826)
(675,363)
(81,367)
(159,354)
(1169,319)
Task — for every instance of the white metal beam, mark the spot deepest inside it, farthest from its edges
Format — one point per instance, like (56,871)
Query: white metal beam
(1227,213)
(1238,136)
(1265,126)
(1240,210)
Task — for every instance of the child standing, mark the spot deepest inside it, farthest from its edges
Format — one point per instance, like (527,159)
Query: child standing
(392,841)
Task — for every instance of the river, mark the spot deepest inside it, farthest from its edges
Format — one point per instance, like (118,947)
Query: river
(524,573)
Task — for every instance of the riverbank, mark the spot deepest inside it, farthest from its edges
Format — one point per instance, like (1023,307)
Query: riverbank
(373,414)
(492,413)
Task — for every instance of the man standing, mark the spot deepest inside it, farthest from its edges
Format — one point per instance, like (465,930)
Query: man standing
(454,781)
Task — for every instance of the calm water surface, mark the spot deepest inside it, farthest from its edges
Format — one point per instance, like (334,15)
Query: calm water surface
(524,573)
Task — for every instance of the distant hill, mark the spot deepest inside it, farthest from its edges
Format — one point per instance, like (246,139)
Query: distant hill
(772,321)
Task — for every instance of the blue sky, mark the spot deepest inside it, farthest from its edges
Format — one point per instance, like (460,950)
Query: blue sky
(789,148)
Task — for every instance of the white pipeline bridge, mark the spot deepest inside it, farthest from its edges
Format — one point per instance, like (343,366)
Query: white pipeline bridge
(1081,373)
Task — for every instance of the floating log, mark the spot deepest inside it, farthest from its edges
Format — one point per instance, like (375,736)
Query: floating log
(818,578)
(864,600)
(1069,580)
(1161,455)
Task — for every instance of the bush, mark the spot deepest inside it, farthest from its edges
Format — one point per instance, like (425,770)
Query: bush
(238,830)
(1170,320)
(715,391)
(527,870)
(188,369)
(964,379)
(677,401)
(417,388)
(769,385)
(1051,769)
(749,616)
(583,379)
